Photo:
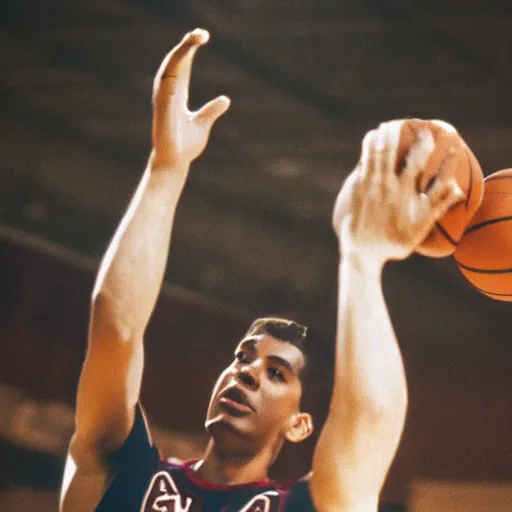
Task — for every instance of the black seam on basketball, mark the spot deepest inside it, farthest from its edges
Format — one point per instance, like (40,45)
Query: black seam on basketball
(488,292)
(446,235)
(470,185)
(487,223)
(492,293)
(483,271)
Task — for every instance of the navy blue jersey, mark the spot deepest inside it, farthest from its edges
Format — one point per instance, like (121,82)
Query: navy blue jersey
(141,482)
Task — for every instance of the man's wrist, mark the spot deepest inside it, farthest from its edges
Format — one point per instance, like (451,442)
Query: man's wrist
(178,166)
(365,262)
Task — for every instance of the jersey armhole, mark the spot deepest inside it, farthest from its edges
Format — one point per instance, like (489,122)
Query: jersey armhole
(138,446)
(130,468)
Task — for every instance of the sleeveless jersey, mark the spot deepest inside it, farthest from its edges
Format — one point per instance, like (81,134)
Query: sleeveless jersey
(141,482)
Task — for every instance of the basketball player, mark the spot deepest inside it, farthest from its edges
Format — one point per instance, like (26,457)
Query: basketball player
(112,464)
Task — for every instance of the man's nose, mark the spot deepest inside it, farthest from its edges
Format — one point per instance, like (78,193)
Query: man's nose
(248,375)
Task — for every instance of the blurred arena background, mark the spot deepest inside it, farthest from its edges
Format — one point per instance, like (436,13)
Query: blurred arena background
(307,79)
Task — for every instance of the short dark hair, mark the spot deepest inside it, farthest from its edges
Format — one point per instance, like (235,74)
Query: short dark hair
(283,330)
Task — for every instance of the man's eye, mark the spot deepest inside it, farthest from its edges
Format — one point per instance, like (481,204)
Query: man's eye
(241,357)
(274,373)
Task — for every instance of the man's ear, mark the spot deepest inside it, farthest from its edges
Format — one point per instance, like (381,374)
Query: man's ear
(300,428)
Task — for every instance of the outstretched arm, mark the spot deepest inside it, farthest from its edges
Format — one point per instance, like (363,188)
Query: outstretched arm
(378,217)
(131,273)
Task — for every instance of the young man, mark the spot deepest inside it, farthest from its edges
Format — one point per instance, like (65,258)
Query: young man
(254,408)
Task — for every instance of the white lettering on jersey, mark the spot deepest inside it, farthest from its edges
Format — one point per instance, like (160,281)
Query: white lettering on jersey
(260,503)
(163,495)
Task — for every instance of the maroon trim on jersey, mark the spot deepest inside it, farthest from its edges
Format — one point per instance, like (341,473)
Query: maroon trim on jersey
(191,474)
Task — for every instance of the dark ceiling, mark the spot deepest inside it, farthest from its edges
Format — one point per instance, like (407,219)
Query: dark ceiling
(307,78)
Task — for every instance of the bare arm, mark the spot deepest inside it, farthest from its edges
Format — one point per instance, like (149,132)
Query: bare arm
(131,273)
(378,217)
(369,399)
(124,295)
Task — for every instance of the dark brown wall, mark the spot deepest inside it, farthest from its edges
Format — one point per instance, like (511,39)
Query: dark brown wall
(460,417)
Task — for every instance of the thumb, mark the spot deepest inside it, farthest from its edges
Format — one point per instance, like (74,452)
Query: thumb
(210,112)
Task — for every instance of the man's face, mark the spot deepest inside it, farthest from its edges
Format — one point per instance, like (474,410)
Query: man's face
(258,393)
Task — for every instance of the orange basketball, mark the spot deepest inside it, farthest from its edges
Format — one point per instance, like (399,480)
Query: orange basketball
(463,166)
(484,255)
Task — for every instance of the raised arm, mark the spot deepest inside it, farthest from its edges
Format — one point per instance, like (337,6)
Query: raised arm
(131,273)
(378,217)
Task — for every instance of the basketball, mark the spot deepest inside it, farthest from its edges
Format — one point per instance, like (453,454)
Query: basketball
(462,165)
(484,255)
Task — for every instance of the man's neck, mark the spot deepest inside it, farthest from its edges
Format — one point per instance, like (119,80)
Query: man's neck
(221,469)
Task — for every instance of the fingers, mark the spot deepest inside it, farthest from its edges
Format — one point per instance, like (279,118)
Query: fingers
(210,112)
(418,156)
(443,196)
(389,142)
(367,161)
(174,72)
(185,51)
(379,154)
(378,148)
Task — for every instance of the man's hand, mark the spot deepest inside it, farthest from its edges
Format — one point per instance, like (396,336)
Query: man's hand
(178,135)
(383,214)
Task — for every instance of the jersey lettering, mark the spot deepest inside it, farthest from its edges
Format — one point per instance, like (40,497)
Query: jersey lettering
(163,496)
(260,503)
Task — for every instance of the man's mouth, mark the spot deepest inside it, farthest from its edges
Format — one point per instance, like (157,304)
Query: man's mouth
(236,401)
